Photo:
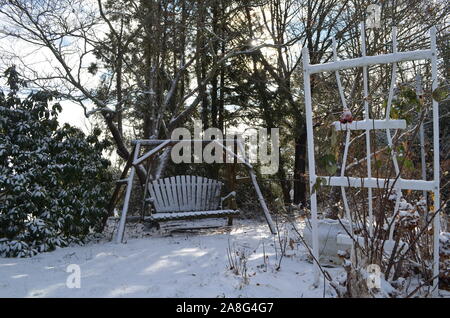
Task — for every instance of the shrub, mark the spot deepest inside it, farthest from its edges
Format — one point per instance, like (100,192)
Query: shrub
(54,182)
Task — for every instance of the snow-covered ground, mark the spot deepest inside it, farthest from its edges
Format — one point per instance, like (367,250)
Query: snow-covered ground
(176,265)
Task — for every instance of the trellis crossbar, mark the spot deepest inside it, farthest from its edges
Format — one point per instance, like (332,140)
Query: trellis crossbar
(376,183)
(370,60)
(372,124)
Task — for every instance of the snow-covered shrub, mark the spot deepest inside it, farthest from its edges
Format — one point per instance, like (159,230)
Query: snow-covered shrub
(54,182)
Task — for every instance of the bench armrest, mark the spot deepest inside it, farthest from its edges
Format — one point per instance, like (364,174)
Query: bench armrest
(228,196)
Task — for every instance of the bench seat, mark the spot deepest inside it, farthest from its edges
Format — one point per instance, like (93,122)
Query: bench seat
(190,215)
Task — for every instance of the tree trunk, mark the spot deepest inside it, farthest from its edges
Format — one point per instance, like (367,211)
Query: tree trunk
(300,168)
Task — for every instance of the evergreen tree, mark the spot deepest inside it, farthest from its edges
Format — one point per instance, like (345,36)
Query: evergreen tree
(54,182)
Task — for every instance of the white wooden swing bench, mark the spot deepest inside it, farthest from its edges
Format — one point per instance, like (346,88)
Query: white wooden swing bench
(187,197)
(180,197)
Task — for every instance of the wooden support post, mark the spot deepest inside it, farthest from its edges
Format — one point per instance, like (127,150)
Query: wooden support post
(144,197)
(123,216)
(152,152)
(231,176)
(261,200)
(436,166)
(117,190)
(367,118)
(311,162)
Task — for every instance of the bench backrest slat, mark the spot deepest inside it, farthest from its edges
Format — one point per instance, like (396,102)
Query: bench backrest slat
(165,196)
(198,193)
(208,194)
(158,198)
(173,189)
(215,192)
(183,190)
(179,192)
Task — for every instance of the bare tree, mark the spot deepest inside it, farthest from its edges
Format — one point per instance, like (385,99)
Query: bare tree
(142,62)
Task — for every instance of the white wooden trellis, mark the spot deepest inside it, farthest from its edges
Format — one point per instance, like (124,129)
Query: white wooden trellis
(373,124)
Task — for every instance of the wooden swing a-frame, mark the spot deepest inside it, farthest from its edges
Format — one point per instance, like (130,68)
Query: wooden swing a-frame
(182,199)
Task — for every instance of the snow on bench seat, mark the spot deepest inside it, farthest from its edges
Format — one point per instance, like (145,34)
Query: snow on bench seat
(191,215)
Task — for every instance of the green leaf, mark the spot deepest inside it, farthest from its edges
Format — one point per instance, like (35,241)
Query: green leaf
(378,164)
(441,93)
(328,162)
(408,164)
(318,184)
(394,113)
(333,138)
(331,169)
